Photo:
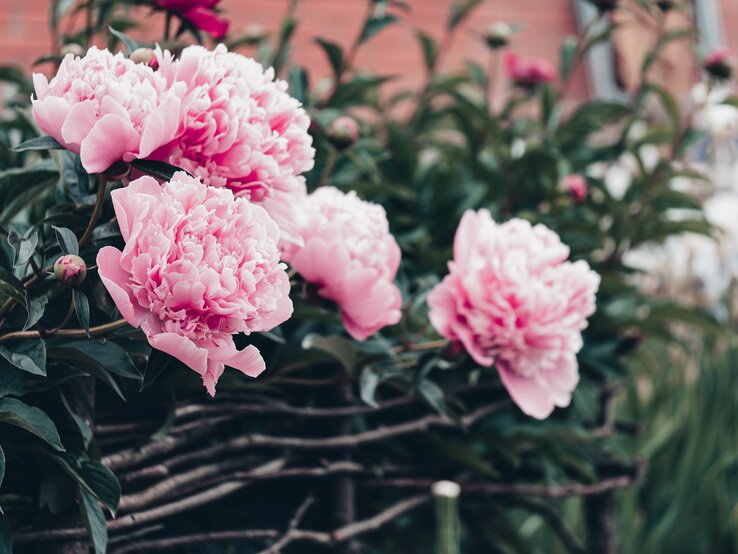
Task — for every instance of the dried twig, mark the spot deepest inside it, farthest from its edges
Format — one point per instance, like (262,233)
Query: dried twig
(288,537)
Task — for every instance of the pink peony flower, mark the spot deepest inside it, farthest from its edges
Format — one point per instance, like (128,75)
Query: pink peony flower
(719,63)
(107,108)
(199,13)
(529,72)
(242,130)
(576,186)
(199,266)
(513,300)
(351,255)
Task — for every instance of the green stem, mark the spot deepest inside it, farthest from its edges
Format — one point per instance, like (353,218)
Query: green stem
(102,188)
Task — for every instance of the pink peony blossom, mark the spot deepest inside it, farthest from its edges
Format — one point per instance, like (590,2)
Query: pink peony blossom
(107,108)
(513,300)
(529,72)
(199,13)
(199,266)
(351,255)
(242,130)
(576,186)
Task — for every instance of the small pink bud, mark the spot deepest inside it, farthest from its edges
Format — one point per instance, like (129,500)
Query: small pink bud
(576,186)
(343,132)
(72,48)
(70,270)
(254,33)
(145,56)
(719,63)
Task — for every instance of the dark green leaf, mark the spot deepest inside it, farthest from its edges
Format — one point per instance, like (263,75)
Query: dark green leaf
(160,170)
(460,10)
(156,364)
(375,24)
(85,431)
(94,520)
(94,477)
(33,420)
(334,53)
(337,347)
(368,384)
(434,395)
(297,78)
(23,248)
(109,355)
(429,48)
(39,143)
(35,308)
(568,50)
(2,466)
(67,240)
(6,537)
(28,355)
(16,382)
(82,307)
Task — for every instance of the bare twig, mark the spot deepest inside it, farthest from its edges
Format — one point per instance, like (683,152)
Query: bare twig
(289,536)
(186,540)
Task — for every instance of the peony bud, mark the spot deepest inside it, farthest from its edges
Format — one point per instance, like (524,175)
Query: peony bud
(665,5)
(576,186)
(343,132)
(254,33)
(72,48)
(498,35)
(718,63)
(70,270)
(145,56)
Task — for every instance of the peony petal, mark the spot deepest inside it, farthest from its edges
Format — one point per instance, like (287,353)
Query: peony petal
(127,207)
(248,361)
(181,348)
(532,398)
(82,117)
(50,114)
(108,141)
(161,126)
(116,281)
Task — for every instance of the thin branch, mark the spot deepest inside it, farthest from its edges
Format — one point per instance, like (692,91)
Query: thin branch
(500,489)
(102,188)
(186,540)
(69,333)
(289,536)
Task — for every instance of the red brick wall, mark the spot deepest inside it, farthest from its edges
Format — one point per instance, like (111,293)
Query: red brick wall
(24,34)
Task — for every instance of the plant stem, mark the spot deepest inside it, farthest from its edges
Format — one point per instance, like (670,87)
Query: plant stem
(70,333)
(167,27)
(102,188)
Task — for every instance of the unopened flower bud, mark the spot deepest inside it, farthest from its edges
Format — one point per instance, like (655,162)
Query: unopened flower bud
(254,33)
(576,186)
(498,35)
(718,64)
(145,56)
(343,132)
(665,5)
(72,48)
(70,270)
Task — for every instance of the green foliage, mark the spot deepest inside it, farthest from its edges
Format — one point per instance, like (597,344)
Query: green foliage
(427,156)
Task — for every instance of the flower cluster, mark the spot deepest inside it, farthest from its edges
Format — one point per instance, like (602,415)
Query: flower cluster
(513,300)
(351,256)
(197,267)
(201,261)
(107,108)
(240,130)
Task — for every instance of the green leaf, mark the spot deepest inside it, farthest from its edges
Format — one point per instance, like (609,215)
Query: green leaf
(368,384)
(374,25)
(28,355)
(39,143)
(82,308)
(94,520)
(2,465)
(434,396)
(297,79)
(33,420)
(67,240)
(568,49)
(130,44)
(23,248)
(6,536)
(337,347)
(156,364)
(35,308)
(109,355)
(16,382)
(429,48)
(83,427)
(160,170)
(94,477)
(460,10)
(334,53)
